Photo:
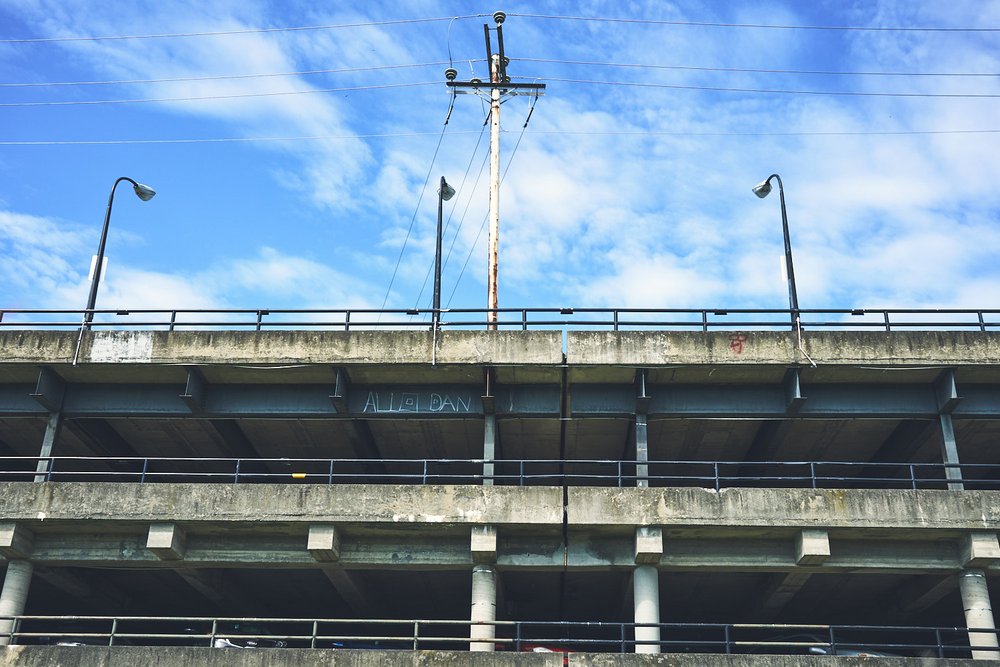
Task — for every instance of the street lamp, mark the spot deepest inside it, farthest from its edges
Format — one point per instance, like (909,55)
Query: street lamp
(143,192)
(445,192)
(762,190)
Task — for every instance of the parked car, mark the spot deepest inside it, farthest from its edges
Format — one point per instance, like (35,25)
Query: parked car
(257,637)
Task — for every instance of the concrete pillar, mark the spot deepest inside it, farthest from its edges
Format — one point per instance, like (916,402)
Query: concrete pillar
(13,596)
(52,429)
(641,450)
(949,453)
(978,613)
(489,447)
(646,592)
(484,607)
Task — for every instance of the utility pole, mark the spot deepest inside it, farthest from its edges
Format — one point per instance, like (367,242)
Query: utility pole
(499,86)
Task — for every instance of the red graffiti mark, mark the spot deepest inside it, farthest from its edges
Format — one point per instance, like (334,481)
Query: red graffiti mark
(736,342)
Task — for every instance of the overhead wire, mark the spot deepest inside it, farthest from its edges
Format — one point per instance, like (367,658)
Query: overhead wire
(636,133)
(770,26)
(751,70)
(203,98)
(503,176)
(242,31)
(778,91)
(416,208)
(461,188)
(220,77)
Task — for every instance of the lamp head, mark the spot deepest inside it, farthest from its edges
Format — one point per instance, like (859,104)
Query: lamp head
(447,192)
(763,188)
(144,192)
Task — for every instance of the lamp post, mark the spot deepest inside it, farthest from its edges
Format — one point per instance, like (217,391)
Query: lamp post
(143,192)
(762,190)
(445,192)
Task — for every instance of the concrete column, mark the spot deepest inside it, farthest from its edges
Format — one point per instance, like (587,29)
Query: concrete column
(484,607)
(978,613)
(646,592)
(641,450)
(949,453)
(52,429)
(13,596)
(489,447)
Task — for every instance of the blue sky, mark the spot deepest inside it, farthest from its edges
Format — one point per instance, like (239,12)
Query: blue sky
(617,195)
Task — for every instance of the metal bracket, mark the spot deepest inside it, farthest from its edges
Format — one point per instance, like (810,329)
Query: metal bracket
(50,389)
(642,397)
(195,390)
(793,391)
(341,390)
(946,392)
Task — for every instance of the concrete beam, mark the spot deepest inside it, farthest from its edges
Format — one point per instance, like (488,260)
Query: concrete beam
(917,595)
(780,348)
(648,545)
(483,544)
(780,591)
(167,540)
(807,508)
(812,547)
(259,504)
(16,540)
(94,588)
(980,549)
(324,542)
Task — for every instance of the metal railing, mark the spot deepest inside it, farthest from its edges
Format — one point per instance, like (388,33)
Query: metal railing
(556,636)
(616,319)
(513,472)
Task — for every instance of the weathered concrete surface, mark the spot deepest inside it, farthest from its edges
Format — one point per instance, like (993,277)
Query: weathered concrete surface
(657,348)
(701,660)
(806,508)
(284,347)
(129,656)
(598,348)
(267,503)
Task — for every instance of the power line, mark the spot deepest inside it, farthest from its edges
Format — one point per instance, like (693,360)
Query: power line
(706,24)
(218,33)
(510,160)
(461,188)
(221,77)
(220,97)
(753,70)
(618,133)
(779,91)
(413,219)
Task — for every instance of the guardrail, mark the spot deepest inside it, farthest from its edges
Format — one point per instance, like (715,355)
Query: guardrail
(515,472)
(554,636)
(616,319)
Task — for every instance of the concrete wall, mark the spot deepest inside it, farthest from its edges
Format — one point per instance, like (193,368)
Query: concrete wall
(265,503)
(828,508)
(597,348)
(127,656)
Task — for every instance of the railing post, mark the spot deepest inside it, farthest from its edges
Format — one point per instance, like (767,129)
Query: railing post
(726,630)
(885,316)
(145,469)
(329,475)
(347,321)
(812,473)
(260,316)
(982,322)
(312,642)
(940,646)
(704,321)
(833,642)
(615,317)
(211,639)
(236,472)
(173,320)
(524,319)
(715,470)
(114,629)
(520,473)
(913,476)
(416,635)
(424,480)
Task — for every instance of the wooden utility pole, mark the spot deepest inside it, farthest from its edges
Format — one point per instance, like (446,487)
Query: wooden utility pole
(499,86)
